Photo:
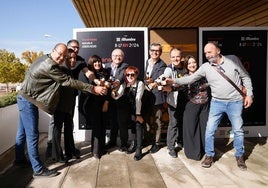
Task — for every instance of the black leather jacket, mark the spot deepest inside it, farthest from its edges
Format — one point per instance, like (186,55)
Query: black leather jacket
(42,82)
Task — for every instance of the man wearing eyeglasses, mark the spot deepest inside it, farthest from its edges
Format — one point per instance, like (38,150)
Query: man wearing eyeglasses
(80,65)
(155,67)
(40,89)
(117,108)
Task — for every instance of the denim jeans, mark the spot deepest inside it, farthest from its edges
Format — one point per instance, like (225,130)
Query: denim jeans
(28,133)
(233,109)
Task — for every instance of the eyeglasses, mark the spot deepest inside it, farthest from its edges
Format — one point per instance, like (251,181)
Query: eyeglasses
(60,54)
(117,55)
(75,47)
(155,51)
(131,74)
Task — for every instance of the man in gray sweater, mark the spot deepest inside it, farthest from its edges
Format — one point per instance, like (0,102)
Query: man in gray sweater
(225,98)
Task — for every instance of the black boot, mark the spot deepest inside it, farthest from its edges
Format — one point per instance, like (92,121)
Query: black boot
(138,154)
(49,150)
(132,147)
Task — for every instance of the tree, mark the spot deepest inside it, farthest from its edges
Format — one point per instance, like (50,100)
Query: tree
(11,69)
(31,56)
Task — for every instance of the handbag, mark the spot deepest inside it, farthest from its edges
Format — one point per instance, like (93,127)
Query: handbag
(242,91)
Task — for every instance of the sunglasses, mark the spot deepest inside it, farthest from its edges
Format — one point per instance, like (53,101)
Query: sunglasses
(131,74)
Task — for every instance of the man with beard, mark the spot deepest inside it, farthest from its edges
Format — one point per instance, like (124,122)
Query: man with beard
(225,98)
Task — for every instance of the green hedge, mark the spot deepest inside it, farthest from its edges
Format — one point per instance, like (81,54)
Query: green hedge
(8,99)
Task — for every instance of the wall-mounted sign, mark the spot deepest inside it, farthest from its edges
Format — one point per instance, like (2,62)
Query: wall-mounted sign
(102,41)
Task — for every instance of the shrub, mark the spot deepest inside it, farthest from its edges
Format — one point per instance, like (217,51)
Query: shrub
(8,99)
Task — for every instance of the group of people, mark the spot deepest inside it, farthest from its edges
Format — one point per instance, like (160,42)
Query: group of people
(197,98)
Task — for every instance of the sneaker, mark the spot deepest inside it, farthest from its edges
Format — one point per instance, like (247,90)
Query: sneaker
(173,153)
(241,163)
(45,173)
(207,162)
(155,148)
(22,163)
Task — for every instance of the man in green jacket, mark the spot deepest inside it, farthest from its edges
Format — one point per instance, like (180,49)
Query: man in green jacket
(40,89)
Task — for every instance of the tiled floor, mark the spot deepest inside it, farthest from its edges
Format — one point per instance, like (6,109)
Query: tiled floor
(158,170)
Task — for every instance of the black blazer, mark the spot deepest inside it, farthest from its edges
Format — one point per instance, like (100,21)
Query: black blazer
(119,71)
(158,69)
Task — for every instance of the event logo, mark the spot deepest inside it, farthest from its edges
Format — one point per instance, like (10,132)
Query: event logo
(126,42)
(250,41)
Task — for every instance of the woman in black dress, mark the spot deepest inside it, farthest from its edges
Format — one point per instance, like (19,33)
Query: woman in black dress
(92,107)
(195,114)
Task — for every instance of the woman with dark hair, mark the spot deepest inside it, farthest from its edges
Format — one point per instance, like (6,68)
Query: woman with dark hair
(133,90)
(92,107)
(195,113)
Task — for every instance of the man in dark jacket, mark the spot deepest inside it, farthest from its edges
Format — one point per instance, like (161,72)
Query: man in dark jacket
(40,89)
(80,65)
(117,108)
(155,67)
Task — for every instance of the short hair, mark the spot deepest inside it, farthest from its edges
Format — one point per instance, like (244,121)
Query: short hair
(156,44)
(118,49)
(174,48)
(132,68)
(72,41)
(215,43)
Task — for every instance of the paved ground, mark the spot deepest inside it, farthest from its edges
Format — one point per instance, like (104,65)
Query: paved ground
(159,170)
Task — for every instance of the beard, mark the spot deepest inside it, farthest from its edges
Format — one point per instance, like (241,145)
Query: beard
(213,59)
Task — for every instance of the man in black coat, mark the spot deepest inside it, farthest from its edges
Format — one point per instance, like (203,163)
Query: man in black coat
(118,110)
(155,67)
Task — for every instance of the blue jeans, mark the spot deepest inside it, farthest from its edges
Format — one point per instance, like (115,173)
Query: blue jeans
(28,132)
(234,112)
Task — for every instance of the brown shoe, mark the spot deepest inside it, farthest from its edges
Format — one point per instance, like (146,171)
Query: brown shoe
(206,163)
(241,163)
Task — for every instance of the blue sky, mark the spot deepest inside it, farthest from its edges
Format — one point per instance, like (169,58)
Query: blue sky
(36,25)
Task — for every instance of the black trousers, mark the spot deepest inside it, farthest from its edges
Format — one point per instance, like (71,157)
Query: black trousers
(137,129)
(139,134)
(59,119)
(98,133)
(120,114)
(173,127)
(194,128)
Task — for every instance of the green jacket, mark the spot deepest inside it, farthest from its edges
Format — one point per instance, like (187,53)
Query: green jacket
(42,82)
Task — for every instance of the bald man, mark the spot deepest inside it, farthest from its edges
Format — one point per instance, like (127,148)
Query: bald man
(225,98)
